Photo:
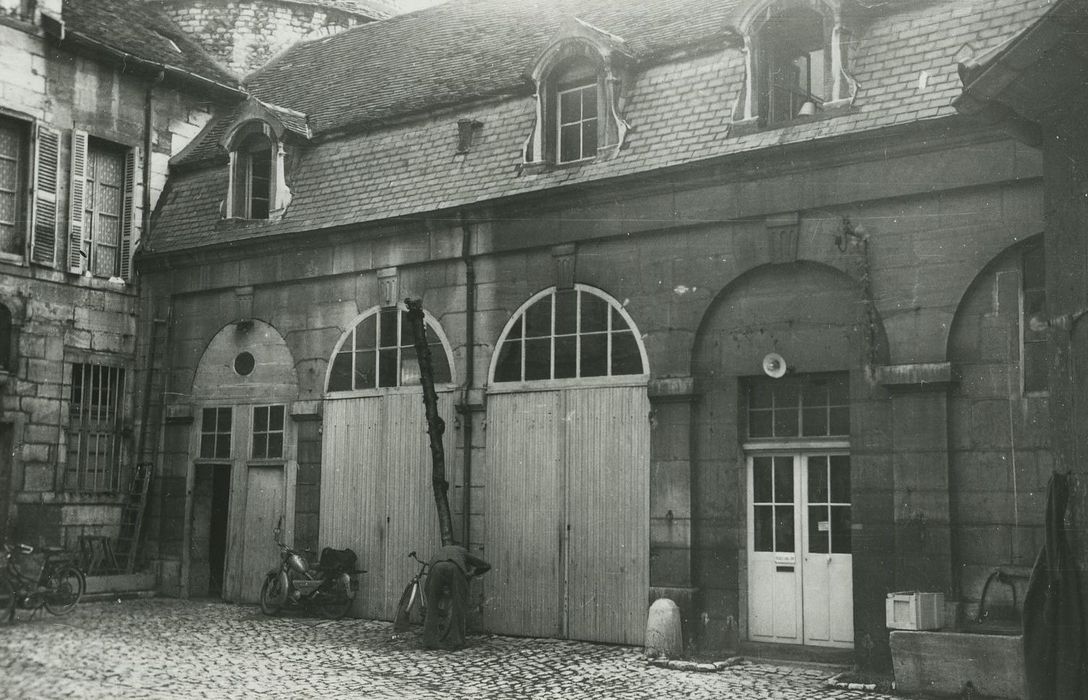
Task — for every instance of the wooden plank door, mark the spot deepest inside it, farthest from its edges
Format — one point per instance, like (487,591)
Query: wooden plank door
(608,505)
(525,518)
(263,510)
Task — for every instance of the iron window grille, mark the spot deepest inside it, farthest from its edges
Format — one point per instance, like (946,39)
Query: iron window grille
(96,428)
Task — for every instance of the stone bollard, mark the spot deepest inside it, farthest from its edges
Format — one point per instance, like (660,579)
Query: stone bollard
(663,634)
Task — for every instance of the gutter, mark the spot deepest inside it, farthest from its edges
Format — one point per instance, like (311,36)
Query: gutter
(126,58)
(465,408)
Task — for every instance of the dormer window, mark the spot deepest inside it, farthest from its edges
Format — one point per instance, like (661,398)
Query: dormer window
(795,58)
(255,143)
(579,81)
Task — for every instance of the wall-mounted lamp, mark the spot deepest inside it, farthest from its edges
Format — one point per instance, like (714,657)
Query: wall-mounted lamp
(807,109)
(850,234)
(1039,322)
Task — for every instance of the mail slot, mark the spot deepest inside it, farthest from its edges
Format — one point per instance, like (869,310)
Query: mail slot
(786,569)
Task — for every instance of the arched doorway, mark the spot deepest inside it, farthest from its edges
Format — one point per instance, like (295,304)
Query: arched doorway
(568,459)
(376,494)
(242,478)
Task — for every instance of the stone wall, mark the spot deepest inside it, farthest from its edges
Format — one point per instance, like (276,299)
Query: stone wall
(60,319)
(246,34)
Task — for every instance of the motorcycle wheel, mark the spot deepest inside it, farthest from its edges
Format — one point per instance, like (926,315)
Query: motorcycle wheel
(334,607)
(66,587)
(272,595)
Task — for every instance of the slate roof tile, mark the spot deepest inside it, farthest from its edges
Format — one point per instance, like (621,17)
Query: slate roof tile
(142,29)
(676,118)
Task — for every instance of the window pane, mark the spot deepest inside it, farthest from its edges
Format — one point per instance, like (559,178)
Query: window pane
(387,367)
(594,313)
(838,390)
(275,418)
(364,370)
(783,480)
(761,479)
(783,529)
(595,355)
(840,479)
(260,418)
(760,395)
(409,366)
(840,529)
(275,445)
(785,422)
(207,445)
(818,530)
(759,423)
(440,363)
(538,319)
(566,311)
(619,323)
(508,368)
(589,138)
(589,102)
(223,420)
(814,421)
(565,349)
(840,421)
(569,146)
(570,108)
(260,445)
(764,528)
(340,376)
(387,334)
(626,358)
(364,334)
(538,357)
(817,480)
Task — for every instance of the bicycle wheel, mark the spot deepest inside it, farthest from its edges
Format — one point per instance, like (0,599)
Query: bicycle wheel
(7,602)
(272,595)
(408,599)
(66,586)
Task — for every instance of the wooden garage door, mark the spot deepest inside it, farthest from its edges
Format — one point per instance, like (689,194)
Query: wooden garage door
(568,513)
(376,495)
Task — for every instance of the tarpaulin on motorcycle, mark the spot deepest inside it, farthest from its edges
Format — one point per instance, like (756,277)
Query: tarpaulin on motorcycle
(338,560)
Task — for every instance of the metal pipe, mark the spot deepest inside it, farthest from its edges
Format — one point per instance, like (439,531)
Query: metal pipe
(470,377)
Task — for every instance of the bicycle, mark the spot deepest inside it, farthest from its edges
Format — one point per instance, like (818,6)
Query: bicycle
(412,606)
(58,586)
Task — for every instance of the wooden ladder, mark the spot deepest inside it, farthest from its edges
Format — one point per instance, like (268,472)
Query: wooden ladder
(132,516)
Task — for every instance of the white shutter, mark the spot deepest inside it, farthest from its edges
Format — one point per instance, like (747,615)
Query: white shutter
(43,246)
(129,223)
(77,227)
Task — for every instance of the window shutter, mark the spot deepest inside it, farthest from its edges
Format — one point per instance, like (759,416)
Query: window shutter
(43,247)
(77,227)
(129,223)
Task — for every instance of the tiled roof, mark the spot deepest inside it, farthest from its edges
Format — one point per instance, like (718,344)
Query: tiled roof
(141,28)
(679,111)
(458,51)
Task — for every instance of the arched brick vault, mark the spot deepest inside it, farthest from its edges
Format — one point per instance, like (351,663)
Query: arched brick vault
(999,453)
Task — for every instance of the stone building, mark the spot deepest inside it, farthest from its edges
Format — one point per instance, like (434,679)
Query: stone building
(727,303)
(244,34)
(95,97)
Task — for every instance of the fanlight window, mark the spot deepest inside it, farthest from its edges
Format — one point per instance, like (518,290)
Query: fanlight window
(380,352)
(571,333)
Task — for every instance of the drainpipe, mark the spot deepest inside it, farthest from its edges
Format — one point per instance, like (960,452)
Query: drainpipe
(470,376)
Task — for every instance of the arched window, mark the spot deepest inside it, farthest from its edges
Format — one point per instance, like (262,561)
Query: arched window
(379,352)
(570,333)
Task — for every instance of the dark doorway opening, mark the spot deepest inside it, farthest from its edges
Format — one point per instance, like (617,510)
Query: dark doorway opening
(211,518)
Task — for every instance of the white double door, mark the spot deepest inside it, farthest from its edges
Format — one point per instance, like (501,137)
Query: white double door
(800,586)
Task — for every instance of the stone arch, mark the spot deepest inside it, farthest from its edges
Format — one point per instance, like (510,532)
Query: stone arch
(273,377)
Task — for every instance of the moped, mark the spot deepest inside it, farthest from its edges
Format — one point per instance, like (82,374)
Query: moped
(55,583)
(329,587)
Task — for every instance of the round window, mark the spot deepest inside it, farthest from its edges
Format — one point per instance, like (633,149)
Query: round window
(244,363)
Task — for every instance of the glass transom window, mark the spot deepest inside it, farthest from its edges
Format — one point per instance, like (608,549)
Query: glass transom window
(571,333)
(380,352)
(815,405)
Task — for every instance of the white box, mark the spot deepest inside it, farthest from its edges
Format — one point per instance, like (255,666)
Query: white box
(913,610)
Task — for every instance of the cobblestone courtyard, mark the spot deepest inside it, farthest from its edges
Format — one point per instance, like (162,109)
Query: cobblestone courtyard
(162,648)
